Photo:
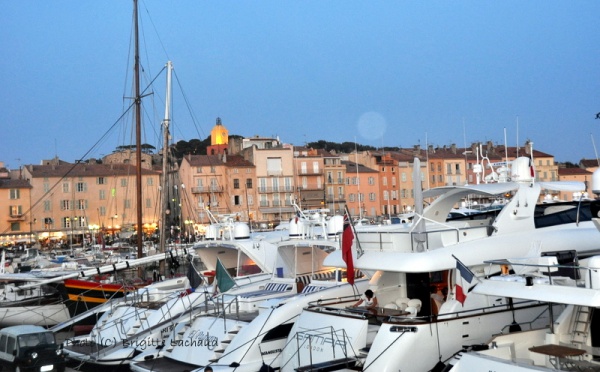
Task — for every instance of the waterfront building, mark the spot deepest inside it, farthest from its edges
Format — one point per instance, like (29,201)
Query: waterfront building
(16,225)
(74,203)
(362,188)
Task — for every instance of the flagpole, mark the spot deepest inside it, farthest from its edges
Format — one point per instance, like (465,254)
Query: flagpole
(359,250)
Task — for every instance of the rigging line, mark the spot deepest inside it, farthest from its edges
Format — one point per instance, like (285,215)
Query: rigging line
(187,103)
(384,350)
(156,32)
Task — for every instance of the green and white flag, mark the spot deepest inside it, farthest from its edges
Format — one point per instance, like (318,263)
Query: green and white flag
(224,281)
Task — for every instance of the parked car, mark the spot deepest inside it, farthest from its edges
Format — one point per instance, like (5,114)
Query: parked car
(30,348)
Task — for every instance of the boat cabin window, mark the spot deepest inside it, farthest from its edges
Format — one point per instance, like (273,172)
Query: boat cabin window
(553,214)
(3,344)
(280,332)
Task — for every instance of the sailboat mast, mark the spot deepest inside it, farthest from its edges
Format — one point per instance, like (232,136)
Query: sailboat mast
(164,194)
(138,132)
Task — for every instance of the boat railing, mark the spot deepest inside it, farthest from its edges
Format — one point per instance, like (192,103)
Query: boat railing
(408,240)
(223,306)
(545,270)
(336,339)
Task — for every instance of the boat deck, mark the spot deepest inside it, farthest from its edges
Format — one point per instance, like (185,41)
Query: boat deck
(166,364)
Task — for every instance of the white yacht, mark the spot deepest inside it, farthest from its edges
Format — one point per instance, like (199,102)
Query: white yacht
(410,260)
(572,342)
(146,316)
(248,330)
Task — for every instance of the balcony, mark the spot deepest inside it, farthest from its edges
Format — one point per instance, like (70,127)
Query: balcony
(311,188)
(16,217)
(206,189)
(264,203)
(310,172)
(269,189)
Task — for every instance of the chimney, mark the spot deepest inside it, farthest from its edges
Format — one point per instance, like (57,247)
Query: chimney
(430,149)
(453,148)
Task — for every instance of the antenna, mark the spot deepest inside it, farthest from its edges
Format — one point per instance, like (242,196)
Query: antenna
(465,152)
(505,147)
(426,158)
(595,151)
(517,155)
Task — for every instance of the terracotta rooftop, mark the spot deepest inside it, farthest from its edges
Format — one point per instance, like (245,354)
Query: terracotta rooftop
(573,171)
(14,184)
(85,170)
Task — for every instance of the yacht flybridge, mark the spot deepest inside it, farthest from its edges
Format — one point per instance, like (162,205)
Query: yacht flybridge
(412,261)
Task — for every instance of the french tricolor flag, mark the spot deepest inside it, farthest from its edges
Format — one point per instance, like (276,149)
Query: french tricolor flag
(464,281)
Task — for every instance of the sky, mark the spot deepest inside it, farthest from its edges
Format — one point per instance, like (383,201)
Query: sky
(379,73)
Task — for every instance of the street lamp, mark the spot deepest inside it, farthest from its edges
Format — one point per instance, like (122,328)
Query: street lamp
(113,226)
(189,223)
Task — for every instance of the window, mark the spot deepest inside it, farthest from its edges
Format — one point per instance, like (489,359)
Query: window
(148,203)
(372,196)
(16,210)
(46,187)
(65,187)
(250,200)
(237,200)
(127,204)
(15,194)
(198,169)
(315,166)
(385,195)
(47,206)
(371,180)
(123,182)
(351,198)
(80,187)
(384,181)
(248,183)
(150,181)
(102,194)
(15,226)
(102,211)
(274,166)
(236,183)
(235,171)
(101,181)
(82,204)
(263,184)
(65,205)
(403,177)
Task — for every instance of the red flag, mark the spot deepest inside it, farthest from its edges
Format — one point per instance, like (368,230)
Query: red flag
(347,238)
